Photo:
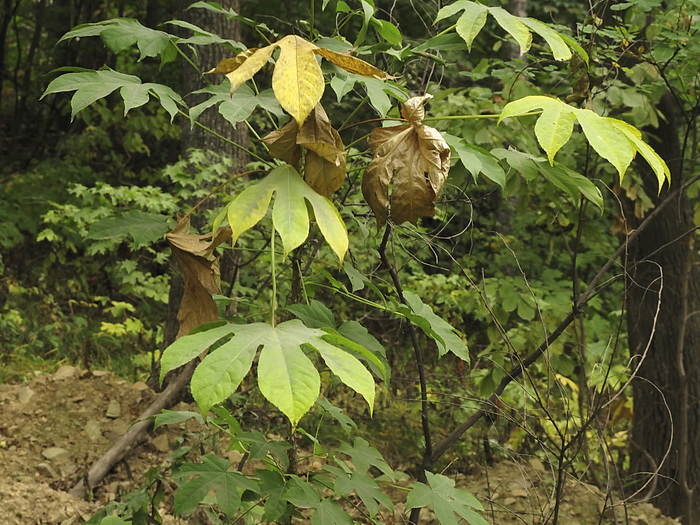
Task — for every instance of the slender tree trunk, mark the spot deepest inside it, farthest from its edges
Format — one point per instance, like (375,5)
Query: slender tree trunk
(663,303)
(196,137)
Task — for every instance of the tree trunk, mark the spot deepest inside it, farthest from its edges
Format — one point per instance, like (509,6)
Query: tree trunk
(663,298)
(198,138)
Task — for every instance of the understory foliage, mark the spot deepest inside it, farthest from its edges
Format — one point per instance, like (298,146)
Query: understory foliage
(414,272)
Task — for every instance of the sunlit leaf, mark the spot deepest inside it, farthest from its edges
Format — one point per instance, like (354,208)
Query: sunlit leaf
(614,140)
(246,210)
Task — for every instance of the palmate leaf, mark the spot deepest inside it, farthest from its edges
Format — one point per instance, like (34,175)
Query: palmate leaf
(90,86)
(473,19)
(286,376)
(211,474)
(446,500)
(120,33)
(297,79)
(361,484)
(290,215)
(445,335)
(614,140)
(566,179)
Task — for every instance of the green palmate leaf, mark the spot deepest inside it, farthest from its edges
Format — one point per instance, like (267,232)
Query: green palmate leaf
(290,212)
(513,25)
(606,139)
(553,129)
(557,44)
(477,160)
(435,327)
(575,184)
(286,376)
(614,140)
(212,474)
(187,348)
(363,485)
(450,504)
(221,372)
(472,21)
(175,417)
(143,228)
(314,315)
(90,86)
(120,33)
(363,456)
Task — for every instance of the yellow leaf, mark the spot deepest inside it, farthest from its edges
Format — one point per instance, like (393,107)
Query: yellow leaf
(352,64)
(228,65)
(250,66)
(297,80)
(414,159)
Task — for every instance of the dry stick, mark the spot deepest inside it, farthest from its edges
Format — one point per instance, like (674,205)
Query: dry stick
(126,443)
(489,404)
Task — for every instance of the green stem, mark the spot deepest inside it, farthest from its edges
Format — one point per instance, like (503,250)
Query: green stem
(225,139)
(273,301)
(467,117)
(311,19)
(359,106)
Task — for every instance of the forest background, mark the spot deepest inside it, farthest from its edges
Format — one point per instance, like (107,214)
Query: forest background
(574,290)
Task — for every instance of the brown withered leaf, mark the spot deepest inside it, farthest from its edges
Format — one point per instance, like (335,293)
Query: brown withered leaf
(324,169)
(352,64)
(414,160)
(283,143)
(228,65)
(200,270)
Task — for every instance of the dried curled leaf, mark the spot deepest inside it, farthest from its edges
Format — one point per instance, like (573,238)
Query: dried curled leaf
(351,64)
(229,65)
(200,270)
(283,143)
(297,80)
(414,160)
(324,169)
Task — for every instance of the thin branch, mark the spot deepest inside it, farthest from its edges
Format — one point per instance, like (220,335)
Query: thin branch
(490,403)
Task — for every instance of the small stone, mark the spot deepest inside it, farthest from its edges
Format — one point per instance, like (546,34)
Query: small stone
(161,443)
(65,372)
(140,386)
(99,373)
(509,501)
(519,492)
(114,410)
(25,394)
(93,430)
(46,470)
(56,454)
(68,469)
(537,465)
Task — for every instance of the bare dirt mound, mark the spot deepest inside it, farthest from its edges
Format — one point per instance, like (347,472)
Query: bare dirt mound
(51,429)
(54,427)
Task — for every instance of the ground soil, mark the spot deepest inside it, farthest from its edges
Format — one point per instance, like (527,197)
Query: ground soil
(53,427)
